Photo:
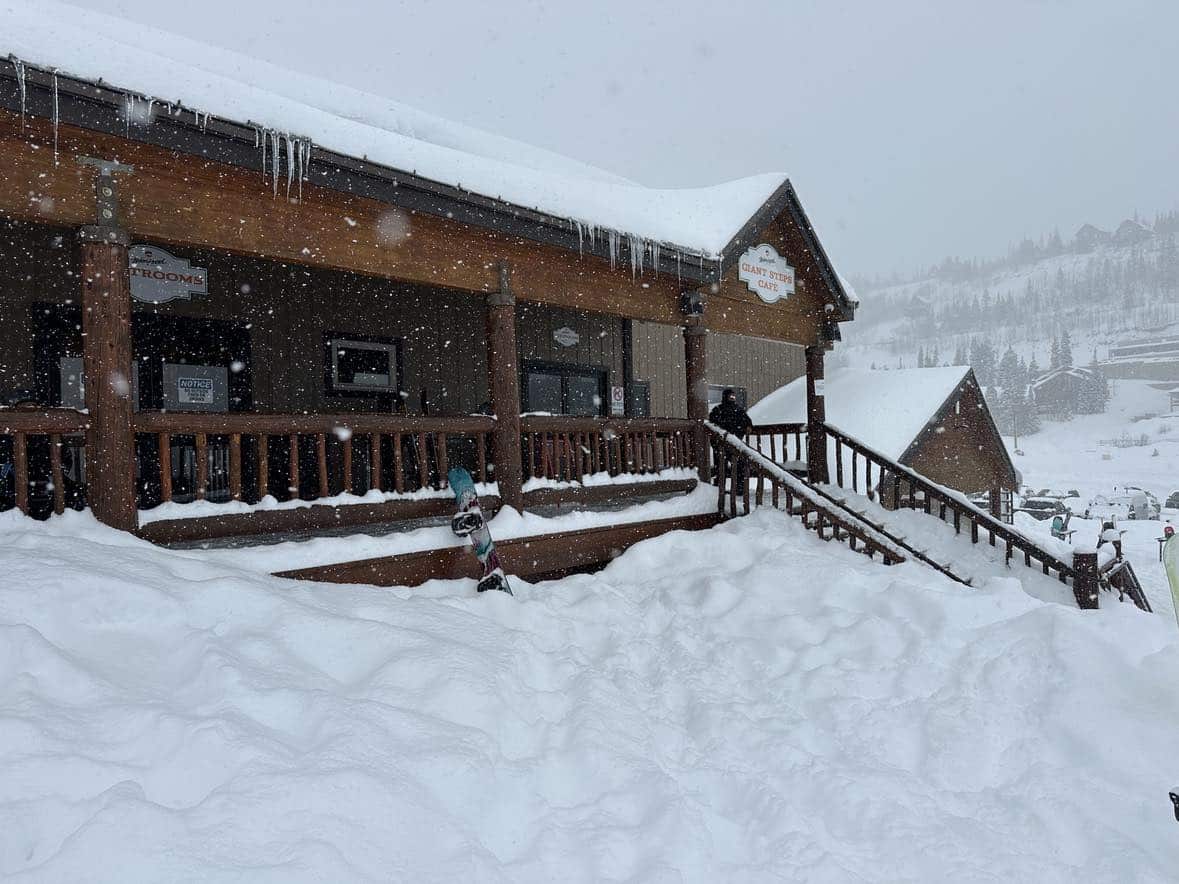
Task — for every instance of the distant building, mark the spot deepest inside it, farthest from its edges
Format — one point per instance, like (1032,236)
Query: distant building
(933,420)
(1067,391)
(1130,232)
(1152,360)
(1089,238)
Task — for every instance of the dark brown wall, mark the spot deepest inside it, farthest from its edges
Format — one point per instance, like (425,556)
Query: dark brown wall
(288,309)
(963,450)
(599,344)
(36,264)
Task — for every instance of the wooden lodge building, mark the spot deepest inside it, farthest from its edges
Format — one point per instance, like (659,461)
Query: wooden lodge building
(197,307)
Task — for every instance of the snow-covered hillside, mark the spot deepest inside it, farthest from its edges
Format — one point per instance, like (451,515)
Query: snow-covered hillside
(1101,288)
(745,704)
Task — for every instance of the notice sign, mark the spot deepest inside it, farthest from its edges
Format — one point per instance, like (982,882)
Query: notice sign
(194,391)
(766,273)
(617,400)
(158,276)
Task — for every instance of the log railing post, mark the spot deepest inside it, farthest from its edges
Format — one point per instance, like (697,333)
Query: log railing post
(696,369)
(106,355)
(504,387)
(1087,581)
(816,418)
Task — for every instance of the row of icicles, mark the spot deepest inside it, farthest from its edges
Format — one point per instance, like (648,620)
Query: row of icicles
(289,156)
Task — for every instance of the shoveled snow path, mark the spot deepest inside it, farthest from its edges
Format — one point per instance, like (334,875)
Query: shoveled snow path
(744,704)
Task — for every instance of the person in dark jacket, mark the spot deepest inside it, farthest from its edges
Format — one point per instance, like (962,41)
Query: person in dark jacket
(731,418)
(729,415)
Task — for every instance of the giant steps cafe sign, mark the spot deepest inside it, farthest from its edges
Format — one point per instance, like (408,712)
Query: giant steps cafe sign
(158,276)
(766,273)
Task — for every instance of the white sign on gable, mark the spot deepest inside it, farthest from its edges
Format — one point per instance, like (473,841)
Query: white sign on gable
(766,273)
(158,276)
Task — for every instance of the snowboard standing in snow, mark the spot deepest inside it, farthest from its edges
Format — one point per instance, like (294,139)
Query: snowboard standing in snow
(1171,563)
(468,522)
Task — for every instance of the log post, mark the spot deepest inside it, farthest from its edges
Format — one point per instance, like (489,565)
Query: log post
(107,359)
(504,386)
(695,353)
(816,418)
(1087,582)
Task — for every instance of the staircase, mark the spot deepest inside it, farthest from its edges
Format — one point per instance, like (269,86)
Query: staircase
(870,506)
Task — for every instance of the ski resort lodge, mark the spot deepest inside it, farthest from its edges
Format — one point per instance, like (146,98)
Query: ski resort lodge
(248,306)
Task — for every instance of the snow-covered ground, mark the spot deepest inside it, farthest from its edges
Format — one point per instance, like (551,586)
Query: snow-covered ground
(1075,456)
(745,704)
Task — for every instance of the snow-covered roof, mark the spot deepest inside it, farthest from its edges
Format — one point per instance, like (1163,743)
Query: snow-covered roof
(93,46)
(885,410)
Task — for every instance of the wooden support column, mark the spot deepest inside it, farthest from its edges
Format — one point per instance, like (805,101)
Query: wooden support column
(695,352)
(504,385)
(816,418)
(106,355)
(1087,580)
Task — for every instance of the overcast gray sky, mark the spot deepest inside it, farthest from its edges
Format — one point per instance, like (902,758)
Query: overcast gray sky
(912,130)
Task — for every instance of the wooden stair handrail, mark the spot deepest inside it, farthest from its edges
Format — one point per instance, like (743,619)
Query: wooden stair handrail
(952,501)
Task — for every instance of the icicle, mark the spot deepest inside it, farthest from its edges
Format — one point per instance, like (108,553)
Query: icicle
(56,117)
(21,86)
(679,260)
(655,256)
(260,134)
(580,239)
(304,164)
(633,245)
(612,242)
(290,163)
(274,149)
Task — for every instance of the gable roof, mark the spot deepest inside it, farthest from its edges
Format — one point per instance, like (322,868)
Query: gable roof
(291,126)
(886,410)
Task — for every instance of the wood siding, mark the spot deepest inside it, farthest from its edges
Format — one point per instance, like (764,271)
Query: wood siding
(759,365)
(599,342)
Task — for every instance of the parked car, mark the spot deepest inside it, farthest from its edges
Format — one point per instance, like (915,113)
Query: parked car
(1042,508)
(1173,501)
(1153,509)
(1135,504)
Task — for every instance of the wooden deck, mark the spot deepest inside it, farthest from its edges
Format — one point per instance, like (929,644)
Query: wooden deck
(544,556)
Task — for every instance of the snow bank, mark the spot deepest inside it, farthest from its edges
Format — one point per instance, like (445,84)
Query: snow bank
(698,711)
(209,80)
(883,409)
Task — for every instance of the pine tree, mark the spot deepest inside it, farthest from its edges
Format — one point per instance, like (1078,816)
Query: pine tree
(1054,354)
(1066,350)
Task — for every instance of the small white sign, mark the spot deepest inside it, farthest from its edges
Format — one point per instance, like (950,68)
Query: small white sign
(818,386)
(766,273)
(617,400)
(194,391)
(158,276)
(566,337)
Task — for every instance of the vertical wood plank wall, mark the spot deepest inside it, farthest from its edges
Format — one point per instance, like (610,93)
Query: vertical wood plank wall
(758,365)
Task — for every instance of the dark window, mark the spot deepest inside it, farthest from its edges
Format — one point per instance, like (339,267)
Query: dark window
(564,389)
(362,365)
(640,399)
(543,392)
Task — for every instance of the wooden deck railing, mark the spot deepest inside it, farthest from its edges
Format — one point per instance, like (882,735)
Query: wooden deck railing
(769,439)
(26,435)
(566,448)
(308,456)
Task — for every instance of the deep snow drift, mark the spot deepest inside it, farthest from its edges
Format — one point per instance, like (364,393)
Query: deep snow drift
(744,704)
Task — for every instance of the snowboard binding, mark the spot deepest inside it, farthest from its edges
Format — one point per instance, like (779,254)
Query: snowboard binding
(466,524)
(495,581)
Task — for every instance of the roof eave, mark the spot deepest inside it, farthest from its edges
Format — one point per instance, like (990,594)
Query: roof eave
(99,107)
